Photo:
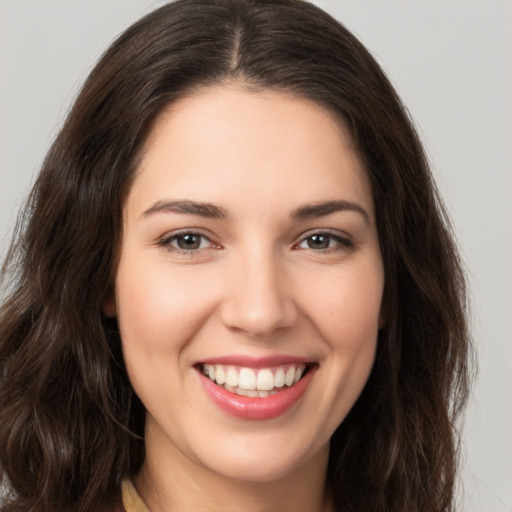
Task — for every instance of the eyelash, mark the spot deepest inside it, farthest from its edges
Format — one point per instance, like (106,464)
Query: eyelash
(342,243)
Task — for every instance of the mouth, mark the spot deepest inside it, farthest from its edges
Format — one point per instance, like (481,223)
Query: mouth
(255,382)
(256,388)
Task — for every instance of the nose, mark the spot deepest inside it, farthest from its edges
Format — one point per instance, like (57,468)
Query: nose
(259,297)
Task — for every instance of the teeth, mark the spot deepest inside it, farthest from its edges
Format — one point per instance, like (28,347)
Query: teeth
(265,380)
(220,375)
(250,392)
(279,378)
(290,376)
(247,379)
(231,377)
(255,383)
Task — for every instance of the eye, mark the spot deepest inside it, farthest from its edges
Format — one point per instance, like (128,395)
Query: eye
(186,242)
(325,242)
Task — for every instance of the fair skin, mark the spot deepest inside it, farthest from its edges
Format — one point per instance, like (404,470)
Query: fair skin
(281,269)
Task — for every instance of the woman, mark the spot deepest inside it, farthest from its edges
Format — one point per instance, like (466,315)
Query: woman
(235,287)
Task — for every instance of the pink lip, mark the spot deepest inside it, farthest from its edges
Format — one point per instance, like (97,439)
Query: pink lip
(256,362)
(249,408)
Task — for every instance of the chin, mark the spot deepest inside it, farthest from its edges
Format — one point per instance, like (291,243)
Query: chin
(259,472)
(252,464)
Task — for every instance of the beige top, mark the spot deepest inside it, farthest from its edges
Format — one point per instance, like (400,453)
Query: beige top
(132,502)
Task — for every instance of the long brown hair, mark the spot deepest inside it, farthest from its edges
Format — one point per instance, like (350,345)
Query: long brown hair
(71,426)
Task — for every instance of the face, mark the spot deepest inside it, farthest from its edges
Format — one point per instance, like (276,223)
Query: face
(249,284)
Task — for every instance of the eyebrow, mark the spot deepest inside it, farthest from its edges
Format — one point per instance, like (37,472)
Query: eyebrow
(209,210)
(310,211)
(191,207)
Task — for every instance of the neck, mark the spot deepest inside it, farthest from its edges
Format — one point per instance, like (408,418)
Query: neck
(172,482)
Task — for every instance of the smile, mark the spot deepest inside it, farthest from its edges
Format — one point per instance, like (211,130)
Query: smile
(255,392)
(252,382)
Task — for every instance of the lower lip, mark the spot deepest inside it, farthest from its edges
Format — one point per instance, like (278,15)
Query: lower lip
(249,408)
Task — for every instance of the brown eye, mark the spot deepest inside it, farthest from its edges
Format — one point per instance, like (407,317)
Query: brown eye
(318,241)
(327,242)
(188,242)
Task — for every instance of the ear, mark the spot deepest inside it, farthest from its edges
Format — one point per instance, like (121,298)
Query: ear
(109,306)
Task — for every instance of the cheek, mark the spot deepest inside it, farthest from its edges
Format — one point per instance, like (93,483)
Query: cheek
(347,315)
(345,306)
(345,311)
(155,304)
(158,312)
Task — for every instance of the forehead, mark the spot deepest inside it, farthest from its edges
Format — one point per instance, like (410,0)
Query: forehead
(223,140)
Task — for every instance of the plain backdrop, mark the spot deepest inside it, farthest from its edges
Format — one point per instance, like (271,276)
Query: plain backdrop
(451,63)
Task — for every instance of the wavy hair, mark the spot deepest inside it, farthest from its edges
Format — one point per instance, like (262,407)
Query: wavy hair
(71,427)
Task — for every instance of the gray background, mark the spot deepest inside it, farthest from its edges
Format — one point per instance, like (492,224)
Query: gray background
(450,61)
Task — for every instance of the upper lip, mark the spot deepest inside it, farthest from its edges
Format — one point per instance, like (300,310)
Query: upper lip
(256,362)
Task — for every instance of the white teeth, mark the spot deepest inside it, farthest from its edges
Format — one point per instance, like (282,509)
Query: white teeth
(247,379)
(220,375)
(279,378)
(252,382)
(265,380)
(290,376)
(250,392)
(232,377)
